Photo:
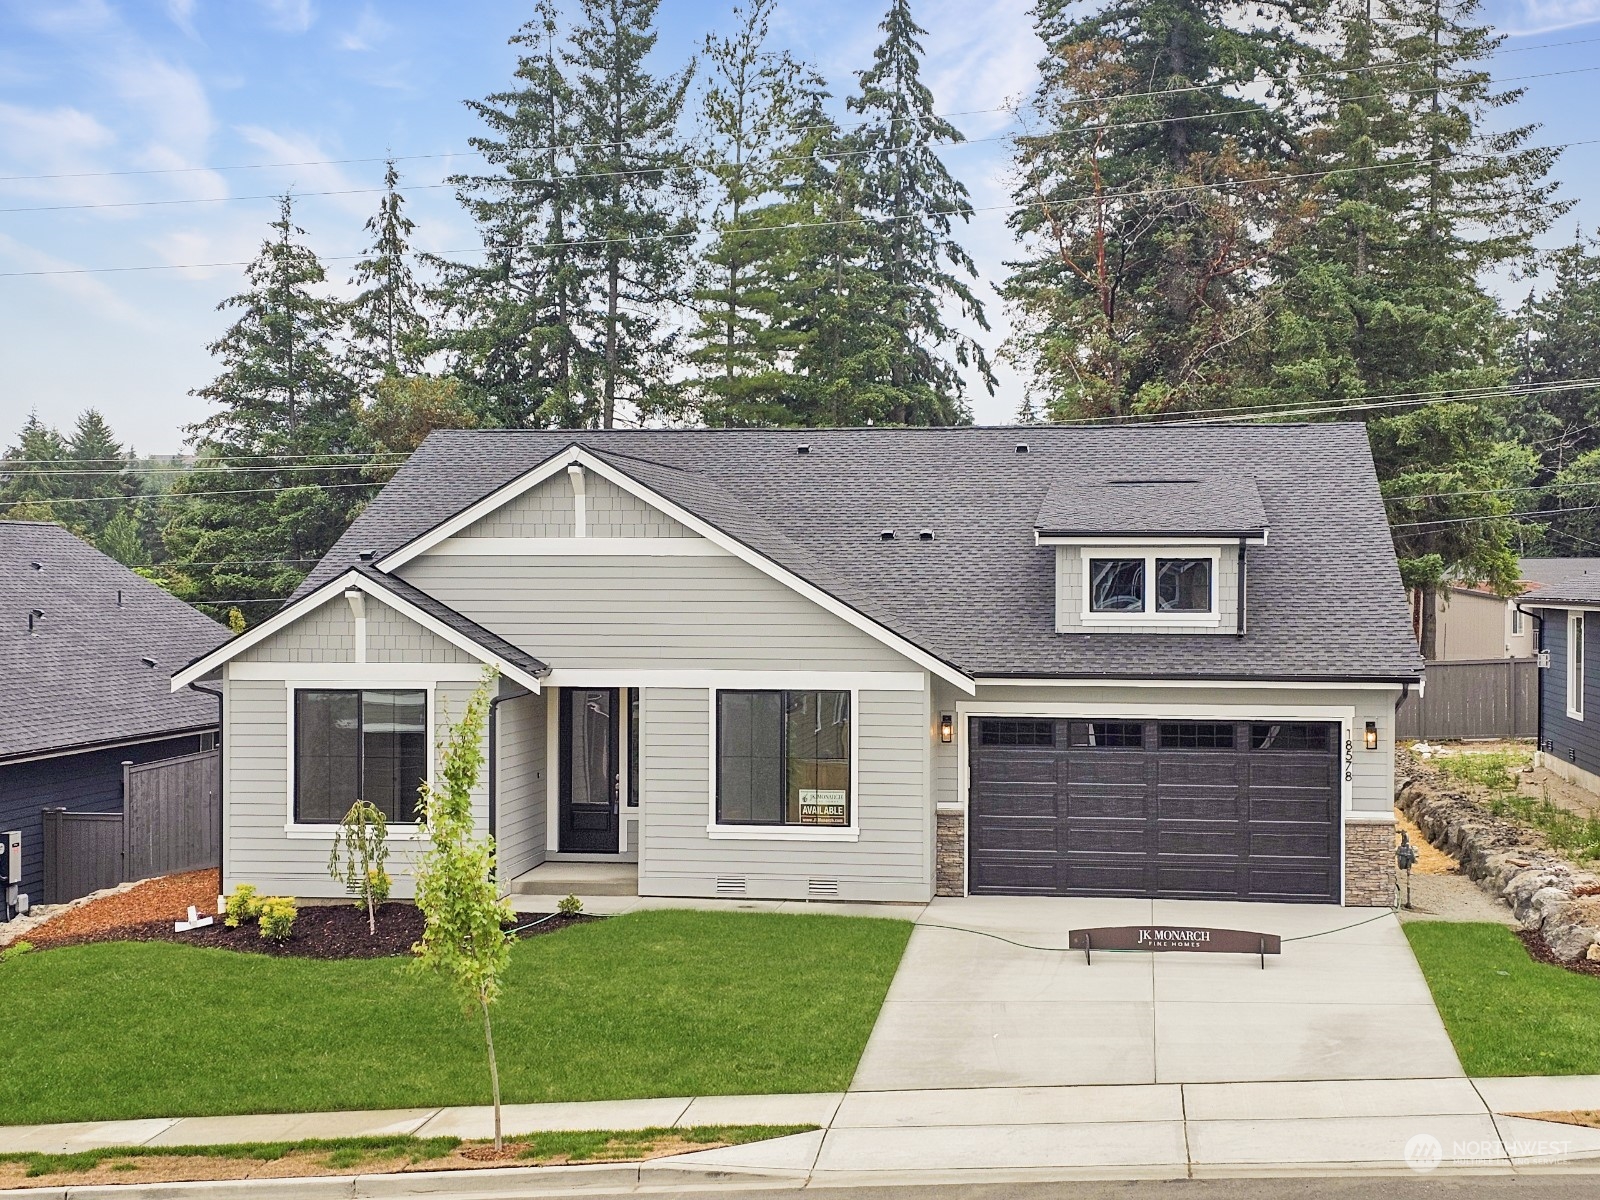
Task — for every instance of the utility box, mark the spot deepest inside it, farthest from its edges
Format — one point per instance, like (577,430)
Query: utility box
(11,873)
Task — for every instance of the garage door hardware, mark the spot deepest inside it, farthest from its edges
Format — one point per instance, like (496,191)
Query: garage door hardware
(1188,938)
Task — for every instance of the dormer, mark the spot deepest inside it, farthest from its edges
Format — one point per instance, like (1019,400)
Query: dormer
(1151,555)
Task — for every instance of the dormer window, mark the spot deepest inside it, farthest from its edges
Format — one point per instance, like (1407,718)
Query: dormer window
(1150,585)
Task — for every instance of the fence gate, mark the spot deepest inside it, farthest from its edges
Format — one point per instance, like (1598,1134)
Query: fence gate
(172,814)
(82,853)
(1486,698)
(171,820)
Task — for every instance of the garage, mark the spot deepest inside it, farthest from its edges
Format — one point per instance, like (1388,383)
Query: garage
(1216,810)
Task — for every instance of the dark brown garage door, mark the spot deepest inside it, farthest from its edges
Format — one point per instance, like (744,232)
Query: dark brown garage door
(1188,809)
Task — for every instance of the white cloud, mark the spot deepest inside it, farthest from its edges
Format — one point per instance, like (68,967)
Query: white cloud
(368,31)
(290,16)
(1548,16)
(181,13)
(294,147)
(86,290)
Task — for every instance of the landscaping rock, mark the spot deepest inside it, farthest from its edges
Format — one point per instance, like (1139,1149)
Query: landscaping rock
(1548,895)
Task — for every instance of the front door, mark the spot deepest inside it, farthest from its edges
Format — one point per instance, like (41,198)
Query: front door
(590,770)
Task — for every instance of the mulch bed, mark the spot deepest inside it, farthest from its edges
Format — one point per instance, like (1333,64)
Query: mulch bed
(326,931)
(164,899)
(1539,950)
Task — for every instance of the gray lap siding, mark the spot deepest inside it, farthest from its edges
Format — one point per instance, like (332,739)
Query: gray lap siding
(520,786)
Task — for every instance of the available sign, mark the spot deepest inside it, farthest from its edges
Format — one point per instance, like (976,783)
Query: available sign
(824,806)
(1194,939)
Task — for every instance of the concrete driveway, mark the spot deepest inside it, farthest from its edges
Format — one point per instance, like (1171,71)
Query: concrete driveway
(970,1011)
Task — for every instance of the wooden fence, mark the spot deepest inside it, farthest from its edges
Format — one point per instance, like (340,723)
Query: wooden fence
(171,820)
(1483,698)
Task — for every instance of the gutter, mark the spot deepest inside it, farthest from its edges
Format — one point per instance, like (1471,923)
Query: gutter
(1239,628)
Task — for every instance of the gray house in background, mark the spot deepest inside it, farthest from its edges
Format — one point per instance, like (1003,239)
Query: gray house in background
(1569,692)
(87,650)
(869,664)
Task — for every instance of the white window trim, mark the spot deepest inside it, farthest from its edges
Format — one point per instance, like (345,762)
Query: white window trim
(1576,665)
(784,833)
(1213,616)
(1519,623)
(408,831)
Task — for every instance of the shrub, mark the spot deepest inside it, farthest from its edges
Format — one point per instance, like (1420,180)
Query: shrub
(360,849)
(277,914)
(15,950)
(569,906)
(242,906)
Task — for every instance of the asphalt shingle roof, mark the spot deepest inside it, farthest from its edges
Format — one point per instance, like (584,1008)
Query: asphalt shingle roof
(79,679)
(1223,505)
(443,613)
(1324,597)
(1548,574)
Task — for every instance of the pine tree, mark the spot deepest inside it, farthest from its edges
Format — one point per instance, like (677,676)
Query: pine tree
(103,484)
(388,332)
(634,216)
(1559,340)
(513,321)
(283,404)
(757,143)
(913,199)
(1151,199)
(30,473)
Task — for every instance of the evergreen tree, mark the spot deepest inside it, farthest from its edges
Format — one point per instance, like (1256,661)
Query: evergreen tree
(284,408)
(1559,340)
(31,473)
(123,539)
(513,321)
(1151,198)
(913,198)
(102,482)
(757,144)
(387,333)
(634,221)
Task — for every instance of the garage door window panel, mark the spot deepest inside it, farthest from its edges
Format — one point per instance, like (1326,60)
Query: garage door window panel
(1196,735)
(1107,735)
(783,759)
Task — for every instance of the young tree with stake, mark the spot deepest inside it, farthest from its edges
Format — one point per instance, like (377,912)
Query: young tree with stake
(465,940)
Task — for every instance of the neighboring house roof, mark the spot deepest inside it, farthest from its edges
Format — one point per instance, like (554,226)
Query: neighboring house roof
(1216,505)
(412,602)
(1325,599)
(80,679)
(1540,573)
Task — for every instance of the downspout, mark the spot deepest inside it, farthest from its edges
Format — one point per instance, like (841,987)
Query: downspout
(222,883)
(1239,627)
(494,761)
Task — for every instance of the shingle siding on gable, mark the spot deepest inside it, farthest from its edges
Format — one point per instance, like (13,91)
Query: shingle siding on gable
(1070,580)
(648,613)
(326,634)
(891,861)
(543,511)
(613,512)
(395,637)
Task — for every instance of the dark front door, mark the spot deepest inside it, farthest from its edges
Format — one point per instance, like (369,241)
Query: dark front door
(1244,810)
(589,770)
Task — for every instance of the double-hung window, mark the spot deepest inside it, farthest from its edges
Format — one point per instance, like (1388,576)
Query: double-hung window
(783,758)
(1575,648)
(354,745)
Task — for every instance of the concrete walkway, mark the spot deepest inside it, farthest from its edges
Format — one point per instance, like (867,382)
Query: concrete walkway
(1130,1131)
(1344,1001)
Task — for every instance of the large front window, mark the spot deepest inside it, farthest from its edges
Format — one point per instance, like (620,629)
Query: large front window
(359,745)
(783,758)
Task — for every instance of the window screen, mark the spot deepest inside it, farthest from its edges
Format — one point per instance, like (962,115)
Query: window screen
(1289,736)
(783,758)
(1107,734)
(1183,585)
(366,745)
(1196,735)
(1116,585)
(1017,733)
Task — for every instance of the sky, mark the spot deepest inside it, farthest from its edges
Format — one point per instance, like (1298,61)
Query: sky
(172,119)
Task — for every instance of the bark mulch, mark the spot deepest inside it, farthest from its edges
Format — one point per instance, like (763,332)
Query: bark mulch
(320,931)
(1539,950)
(164,899)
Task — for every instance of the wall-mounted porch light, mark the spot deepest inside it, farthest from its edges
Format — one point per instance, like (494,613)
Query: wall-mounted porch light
(1372,735)
(947,728)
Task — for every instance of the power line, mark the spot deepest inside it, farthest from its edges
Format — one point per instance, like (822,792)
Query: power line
(170,496)
(1542,512)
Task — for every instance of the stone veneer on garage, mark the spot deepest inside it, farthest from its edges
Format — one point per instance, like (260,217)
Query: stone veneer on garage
(1368,864)
(950,854)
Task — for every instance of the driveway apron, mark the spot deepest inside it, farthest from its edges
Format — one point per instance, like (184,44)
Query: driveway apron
(975,1005)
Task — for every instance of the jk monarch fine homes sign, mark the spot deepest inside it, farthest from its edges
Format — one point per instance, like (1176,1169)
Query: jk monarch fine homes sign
(1191,939)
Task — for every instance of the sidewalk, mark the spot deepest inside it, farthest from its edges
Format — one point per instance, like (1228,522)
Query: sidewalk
(1097,1131)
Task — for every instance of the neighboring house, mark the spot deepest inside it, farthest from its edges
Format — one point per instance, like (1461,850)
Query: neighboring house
(1473,624)
(1569,692)
(87,649)
(867,664)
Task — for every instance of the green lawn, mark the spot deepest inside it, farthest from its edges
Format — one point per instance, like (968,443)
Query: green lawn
(665,1003)
(1506,1013)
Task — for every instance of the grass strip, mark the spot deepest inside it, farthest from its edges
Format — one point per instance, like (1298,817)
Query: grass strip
(341,1152)
(1575,835)
(1506,1013)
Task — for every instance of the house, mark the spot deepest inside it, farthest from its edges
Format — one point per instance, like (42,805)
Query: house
(87,649)
(1569,695)
(1472,623)
(865,663)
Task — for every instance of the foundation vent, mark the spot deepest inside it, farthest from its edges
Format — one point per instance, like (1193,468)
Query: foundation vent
(823,887)
(730,885)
